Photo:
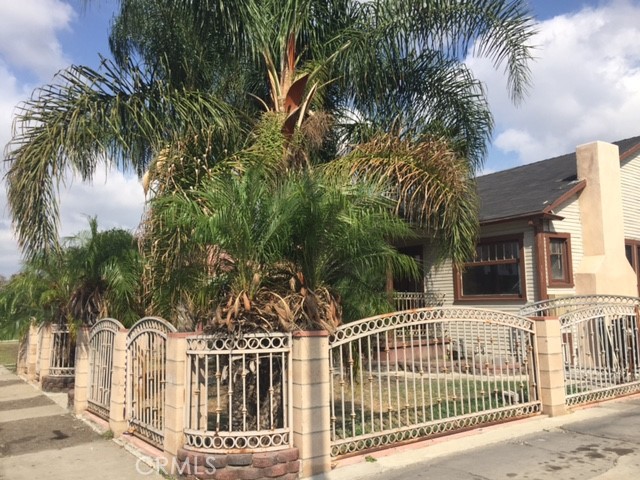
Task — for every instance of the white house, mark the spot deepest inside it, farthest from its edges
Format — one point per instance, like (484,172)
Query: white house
(569,225)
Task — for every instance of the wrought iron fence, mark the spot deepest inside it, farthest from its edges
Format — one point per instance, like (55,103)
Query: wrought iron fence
(415,300)
(407,375)
(559,306)
(601,350)
(62,352)
(239,392)
(146,371)
(101,344)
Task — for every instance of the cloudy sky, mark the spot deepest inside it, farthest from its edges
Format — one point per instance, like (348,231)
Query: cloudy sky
(586,86)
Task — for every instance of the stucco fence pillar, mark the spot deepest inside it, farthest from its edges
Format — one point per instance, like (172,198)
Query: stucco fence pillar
(45,346)
(311,402)
(118,400)
(27,361)
(80,393)
(550,365)
(175,390)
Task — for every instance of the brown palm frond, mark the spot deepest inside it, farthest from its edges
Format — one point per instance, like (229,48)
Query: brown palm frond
(431,185)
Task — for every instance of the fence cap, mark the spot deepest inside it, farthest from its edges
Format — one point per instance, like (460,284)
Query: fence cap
(310,333)
(544,318)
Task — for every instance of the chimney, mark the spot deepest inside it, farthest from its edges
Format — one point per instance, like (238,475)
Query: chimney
(604,268)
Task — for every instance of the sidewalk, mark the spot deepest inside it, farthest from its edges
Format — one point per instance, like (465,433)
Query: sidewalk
(40,438)
(600,442)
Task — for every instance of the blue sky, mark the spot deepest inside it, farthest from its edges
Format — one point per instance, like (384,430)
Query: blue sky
(586,86)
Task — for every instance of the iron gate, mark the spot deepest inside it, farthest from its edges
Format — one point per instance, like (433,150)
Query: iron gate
(420,373)
(101,344)
(146,370)
(601,353)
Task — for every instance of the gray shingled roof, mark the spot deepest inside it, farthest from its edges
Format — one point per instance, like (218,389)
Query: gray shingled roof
(527,190)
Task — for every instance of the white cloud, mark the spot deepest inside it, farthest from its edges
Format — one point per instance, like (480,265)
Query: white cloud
(28,30)
(586,84)
(116,199)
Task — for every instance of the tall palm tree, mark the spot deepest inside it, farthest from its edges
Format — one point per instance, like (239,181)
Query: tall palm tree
(379,69)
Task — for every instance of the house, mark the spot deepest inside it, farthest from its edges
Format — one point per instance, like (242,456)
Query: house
(569,225)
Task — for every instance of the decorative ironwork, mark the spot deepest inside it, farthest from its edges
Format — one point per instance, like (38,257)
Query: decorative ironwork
(414,300)
(101,345)
(420,373)
(62,352)
(601,353)
(559,306)
(239,392)
(146,370)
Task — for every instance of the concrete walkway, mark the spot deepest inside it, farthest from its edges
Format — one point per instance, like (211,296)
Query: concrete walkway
(39,438)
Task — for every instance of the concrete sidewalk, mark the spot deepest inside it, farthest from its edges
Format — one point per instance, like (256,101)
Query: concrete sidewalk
(600,442)
(40,438)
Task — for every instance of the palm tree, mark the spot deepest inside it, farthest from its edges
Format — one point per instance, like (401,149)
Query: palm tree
(379,69)
(272,250)
(94,274)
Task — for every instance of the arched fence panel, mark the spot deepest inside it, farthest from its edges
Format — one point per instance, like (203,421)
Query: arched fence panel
(238,395)
(601,353)
(421,373)
(146,372)
(560,306)
(101,345)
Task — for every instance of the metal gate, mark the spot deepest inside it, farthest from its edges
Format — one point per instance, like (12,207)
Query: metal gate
(421,373)
(101,344)
(601,350)
(63,349)
(146,370)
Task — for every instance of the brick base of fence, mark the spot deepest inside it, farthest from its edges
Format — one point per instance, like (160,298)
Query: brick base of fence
(282,464)
(57,384)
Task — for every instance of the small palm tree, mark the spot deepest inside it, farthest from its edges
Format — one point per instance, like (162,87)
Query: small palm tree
(279,249)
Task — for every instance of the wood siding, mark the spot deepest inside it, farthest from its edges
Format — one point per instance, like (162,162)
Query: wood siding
(630,180)
(571,224)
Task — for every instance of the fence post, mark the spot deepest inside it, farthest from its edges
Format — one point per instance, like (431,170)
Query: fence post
(44,354)
(175,387)
(311,401)
(81,382)
(550,365)
(118,400)
(32,352)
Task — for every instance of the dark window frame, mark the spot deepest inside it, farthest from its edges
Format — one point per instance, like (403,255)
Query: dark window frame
(457,273)
(567,281)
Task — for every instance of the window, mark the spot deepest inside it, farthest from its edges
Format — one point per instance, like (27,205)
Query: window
(559,271)
(632,251)
(495,272)
(406,284)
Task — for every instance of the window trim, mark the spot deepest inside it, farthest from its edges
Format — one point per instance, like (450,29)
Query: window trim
(635,256)
(567,282)
(457,273)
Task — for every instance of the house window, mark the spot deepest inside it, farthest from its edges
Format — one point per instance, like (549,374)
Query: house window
(559,272)
(495,272)
(632,251)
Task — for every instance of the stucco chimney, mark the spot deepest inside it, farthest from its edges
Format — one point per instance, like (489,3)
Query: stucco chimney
(604,268)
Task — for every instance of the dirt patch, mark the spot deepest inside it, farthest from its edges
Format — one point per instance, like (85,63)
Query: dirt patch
(39,401)
(44,433)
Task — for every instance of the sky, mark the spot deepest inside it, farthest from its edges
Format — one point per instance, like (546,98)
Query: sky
(585,87)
